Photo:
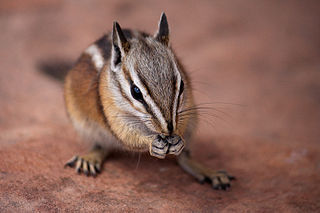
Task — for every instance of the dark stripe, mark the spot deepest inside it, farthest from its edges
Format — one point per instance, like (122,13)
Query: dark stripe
(145,85)
(104,44)
(174,86)
(126,74)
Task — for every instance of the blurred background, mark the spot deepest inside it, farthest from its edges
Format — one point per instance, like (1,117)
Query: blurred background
(255,68)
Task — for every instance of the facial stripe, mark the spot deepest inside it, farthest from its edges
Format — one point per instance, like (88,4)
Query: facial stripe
(150,93)
(174,86)
(96,56)
(154,108)
(130,81)
(121,90)
(145,86)
(131,113)
(122,94)
(119,86)
(176,99)
(147,107)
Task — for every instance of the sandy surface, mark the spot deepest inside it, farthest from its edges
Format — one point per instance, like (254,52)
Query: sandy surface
(255,63)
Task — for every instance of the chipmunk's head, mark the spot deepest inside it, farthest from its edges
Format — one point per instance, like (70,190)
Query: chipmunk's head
(148,79)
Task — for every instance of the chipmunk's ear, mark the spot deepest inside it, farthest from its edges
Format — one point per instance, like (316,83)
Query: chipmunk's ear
(120,46)
(163,30)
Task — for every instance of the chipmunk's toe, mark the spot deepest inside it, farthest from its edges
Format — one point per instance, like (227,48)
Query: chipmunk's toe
(219,180)
(85,165)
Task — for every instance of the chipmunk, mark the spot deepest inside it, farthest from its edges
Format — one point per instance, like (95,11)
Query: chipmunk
(129,91)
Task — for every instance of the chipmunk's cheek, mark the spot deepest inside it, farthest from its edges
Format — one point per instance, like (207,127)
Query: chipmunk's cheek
(176,144)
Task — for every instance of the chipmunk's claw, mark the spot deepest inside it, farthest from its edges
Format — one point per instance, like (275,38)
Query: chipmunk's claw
(85,165)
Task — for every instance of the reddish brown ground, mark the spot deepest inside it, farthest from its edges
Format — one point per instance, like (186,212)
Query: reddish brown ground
(256,62)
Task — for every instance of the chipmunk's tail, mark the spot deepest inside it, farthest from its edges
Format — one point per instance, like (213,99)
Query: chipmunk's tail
(55,68)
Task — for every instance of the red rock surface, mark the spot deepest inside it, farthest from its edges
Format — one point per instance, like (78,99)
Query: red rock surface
(256,62)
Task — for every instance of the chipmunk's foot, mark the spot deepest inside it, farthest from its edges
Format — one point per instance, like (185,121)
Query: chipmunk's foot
(218,179)
(89,164)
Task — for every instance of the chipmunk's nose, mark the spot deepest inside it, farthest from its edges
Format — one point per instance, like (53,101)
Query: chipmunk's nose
(170,127)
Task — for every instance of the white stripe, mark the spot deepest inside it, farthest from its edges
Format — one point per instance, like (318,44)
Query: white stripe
(175,104)
(96,56)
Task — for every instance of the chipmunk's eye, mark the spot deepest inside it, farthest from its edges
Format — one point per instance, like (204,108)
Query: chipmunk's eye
(136,93)
(181,88)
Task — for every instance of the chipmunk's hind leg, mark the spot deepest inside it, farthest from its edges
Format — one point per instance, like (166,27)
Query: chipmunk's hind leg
(219,179)
(90,163)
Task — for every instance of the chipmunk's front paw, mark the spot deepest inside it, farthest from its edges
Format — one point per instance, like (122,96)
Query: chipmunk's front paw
(176,144)
(159,148)
(85,164)
(89,164)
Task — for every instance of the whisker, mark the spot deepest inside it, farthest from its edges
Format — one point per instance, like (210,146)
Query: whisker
(138,162)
